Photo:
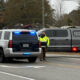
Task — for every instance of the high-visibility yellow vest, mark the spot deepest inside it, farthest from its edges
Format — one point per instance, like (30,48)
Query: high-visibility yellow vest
(44,39)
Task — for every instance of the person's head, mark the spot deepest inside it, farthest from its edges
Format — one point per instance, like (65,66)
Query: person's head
(43,34)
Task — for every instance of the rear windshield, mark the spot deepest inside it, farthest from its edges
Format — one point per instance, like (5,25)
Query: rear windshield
(24,37)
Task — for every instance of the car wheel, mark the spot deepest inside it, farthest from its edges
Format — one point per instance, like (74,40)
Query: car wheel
(1,56)
(32,59)
(9,59)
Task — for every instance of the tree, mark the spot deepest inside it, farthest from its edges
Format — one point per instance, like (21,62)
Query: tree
(71,19)
(27,12)
(2,8)
(75,17)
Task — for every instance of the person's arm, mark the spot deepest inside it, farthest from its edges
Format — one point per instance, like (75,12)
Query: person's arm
(48,42)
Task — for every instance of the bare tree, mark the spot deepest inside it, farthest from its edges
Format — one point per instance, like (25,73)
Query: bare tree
(59,11)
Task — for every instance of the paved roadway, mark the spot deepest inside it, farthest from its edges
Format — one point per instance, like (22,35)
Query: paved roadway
(55,68)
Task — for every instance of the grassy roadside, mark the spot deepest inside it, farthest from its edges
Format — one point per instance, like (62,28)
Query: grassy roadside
(65,53)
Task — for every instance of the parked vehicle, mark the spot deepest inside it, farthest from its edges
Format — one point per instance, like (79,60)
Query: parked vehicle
(19,43)
(63,39)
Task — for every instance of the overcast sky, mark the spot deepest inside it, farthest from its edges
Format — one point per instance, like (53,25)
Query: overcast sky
(67,5)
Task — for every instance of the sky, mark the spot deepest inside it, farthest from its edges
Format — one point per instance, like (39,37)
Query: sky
(70,5)
(67,5)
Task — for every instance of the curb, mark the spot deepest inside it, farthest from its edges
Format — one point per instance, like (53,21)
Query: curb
(61,55)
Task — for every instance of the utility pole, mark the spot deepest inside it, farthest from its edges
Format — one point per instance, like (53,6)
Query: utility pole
(43,14)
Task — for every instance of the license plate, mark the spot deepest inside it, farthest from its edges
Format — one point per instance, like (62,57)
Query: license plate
(27,53)
(25,45)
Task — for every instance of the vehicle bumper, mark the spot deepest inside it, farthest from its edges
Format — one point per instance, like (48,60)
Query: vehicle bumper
(10,53)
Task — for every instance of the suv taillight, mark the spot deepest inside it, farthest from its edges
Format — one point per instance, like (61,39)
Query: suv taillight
(10,44)
(39,44)
(74,49)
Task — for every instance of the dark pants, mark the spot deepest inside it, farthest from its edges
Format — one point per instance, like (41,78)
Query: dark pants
(43,54)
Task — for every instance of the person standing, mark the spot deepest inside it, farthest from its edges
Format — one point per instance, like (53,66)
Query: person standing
(44,44)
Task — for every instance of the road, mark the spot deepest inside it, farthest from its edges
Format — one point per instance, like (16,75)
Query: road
(55,68)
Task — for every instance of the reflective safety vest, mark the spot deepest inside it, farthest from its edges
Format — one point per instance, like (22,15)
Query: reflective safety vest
(44,39)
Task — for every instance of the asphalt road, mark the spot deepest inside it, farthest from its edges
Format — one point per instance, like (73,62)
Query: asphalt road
(55,68)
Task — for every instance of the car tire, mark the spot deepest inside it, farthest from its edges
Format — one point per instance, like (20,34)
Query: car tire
(1,56)
(9,59)
(32,59)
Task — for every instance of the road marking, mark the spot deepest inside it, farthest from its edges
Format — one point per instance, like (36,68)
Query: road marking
(69,66)
(36,67)
(66,65)
(76,59)
(16,75)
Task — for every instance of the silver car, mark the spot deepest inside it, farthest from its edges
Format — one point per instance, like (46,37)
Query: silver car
(63,39)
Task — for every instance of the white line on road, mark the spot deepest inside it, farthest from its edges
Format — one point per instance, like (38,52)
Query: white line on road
(36,67)
(16,75)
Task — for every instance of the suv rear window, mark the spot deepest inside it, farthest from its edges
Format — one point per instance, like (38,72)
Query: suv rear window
(25,36)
